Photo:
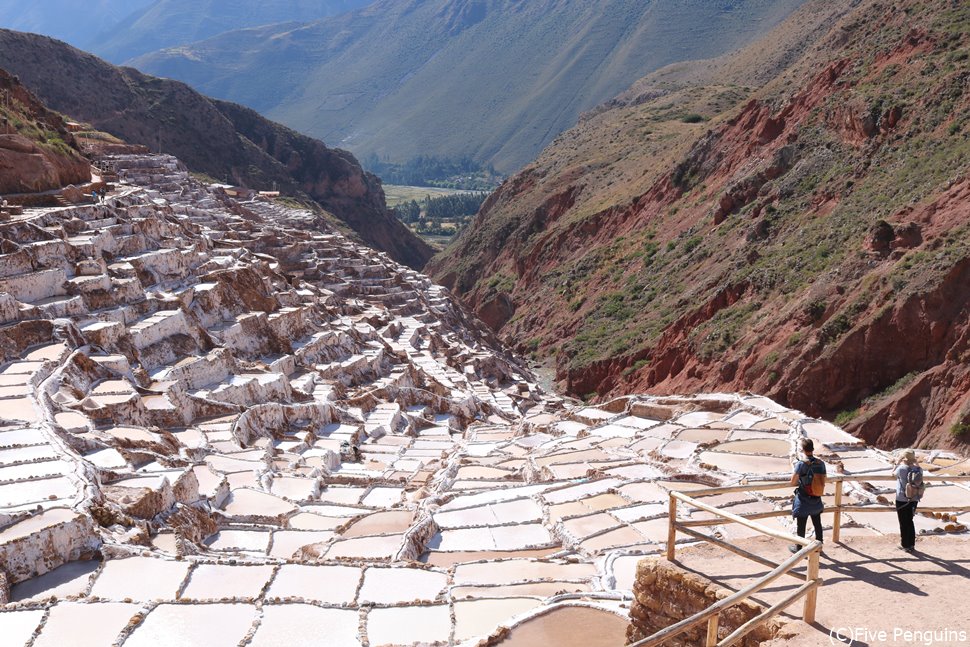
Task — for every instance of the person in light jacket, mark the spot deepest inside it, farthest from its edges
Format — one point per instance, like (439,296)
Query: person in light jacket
(905,505)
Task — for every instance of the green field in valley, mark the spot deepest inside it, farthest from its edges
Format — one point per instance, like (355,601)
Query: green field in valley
(397,194)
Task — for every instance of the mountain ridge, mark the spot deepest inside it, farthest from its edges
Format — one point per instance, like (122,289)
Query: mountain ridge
(493,80)
(171,23)
(210,136)
(78,23)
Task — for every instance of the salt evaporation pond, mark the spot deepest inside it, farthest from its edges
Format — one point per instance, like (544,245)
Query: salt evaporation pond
(177,625)
(286,626)
(85,625)
(757,446)
(570,625)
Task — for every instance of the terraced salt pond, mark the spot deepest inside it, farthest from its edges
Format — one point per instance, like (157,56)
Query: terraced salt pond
(745,463)
(176,625)
(770,447)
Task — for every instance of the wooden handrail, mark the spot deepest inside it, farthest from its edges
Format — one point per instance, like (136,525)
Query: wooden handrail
(713,610)
(765,530)
(837,518)
(883,508)
(810,549)
(757,486)
(671,529)
(700,523)
(768,614)
(726,546)
(732,549)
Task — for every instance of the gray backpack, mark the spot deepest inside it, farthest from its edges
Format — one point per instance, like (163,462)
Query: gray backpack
(915,487)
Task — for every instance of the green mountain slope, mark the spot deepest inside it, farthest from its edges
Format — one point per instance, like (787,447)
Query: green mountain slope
(792,219)
(225,141)
(168,23)
(491,79)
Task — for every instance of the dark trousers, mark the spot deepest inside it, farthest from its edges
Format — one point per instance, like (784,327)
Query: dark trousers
(816,523)
(906,510)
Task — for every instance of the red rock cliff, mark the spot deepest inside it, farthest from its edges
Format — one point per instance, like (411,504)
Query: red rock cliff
(37,153)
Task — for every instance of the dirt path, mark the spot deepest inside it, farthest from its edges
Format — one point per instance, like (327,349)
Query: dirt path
(873,594)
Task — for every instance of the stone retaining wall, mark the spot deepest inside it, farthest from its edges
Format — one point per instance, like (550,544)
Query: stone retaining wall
(665,594)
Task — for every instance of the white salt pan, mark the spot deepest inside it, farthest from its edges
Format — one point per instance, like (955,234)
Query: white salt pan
(140,578)
(70,579)
(216,581)
(85,625)
(327,584)
(479,618)
(17,627)
(212,625)
(408,625)
(302,624)
(399,585)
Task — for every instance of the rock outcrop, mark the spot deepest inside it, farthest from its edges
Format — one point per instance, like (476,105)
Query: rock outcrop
(37,153)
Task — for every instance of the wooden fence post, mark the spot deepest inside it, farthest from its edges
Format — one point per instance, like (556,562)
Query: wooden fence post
(671,530)
(712,632)
(837,517)
(808,613)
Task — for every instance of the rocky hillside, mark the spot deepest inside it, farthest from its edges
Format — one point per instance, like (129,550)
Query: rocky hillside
(792,219)
(494,80)
(227,142)
(37,152)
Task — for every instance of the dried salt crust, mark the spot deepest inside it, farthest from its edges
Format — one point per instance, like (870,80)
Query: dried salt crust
(220,355)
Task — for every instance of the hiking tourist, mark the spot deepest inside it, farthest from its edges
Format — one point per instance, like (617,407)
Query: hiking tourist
(809,476)
(909,490)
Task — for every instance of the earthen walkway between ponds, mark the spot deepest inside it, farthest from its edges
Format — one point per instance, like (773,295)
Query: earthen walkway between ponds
(872,592)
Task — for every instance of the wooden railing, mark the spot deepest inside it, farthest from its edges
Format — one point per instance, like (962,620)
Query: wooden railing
(810,551)
(838,480)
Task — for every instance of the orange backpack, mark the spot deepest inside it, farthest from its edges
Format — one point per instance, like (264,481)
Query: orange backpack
(812,482)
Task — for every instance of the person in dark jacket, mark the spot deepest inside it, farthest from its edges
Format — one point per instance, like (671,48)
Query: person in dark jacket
(806,504)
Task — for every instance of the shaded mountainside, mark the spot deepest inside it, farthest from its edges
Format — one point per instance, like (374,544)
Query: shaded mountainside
(37,153)
(494,80)
(224,141)
(168,23)
(807,239)
(334,178)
